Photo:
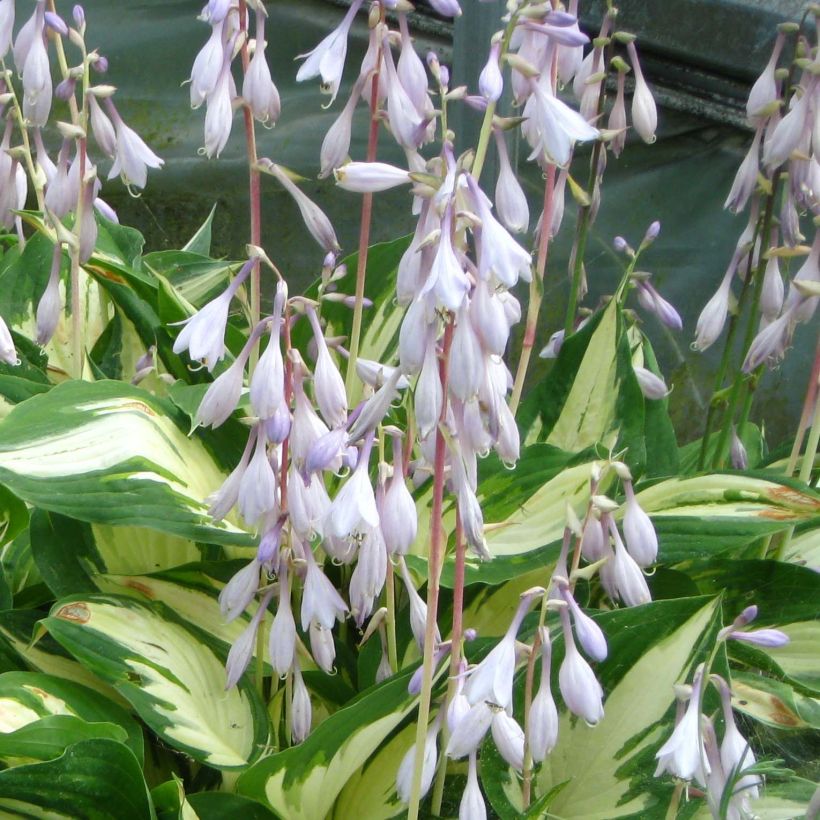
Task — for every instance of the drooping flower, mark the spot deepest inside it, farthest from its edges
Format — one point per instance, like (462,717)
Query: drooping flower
(579,687)
(282,641)
(302,711)
(764,90)
(37,86)
(543,715)
(639,533)
(354,507)
(321,603)
(644,110)
(472,805)
(133,157)
(329,386)
(652,386)
(404,777)
(243,647)
(239,591)
(258,88)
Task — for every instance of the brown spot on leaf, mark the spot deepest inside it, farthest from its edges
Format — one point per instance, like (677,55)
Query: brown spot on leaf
(794,498)
(77,612)
(781,713)
(143,589)
(104,273)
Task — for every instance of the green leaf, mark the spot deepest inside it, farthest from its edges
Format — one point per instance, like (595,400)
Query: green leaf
(88,780)
(773,702)
(306,780)
(171,675)
(111,453)
(32,695)
(200,242)
(48,737)
(226,806)
(195,277)
(170,802)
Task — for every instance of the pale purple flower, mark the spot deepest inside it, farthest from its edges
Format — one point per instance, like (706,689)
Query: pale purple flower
(257,489)
(809,271)
(770,343)
(8,353)
(376,407)
(48,308)
(301,709)
(466,358)
(738,454)
(735,753)
(617,117)
(219,109)
(490,81)
(510,199)
(589,634)
(768,638)
(203,334)
(207,65)
(404,777)
(37,87)
(579,687)
(88,223)
(243,647)
(470,730)
(509,738)
(368,575)
(644,110)
(683,754)
(404,120)
(621,576)
(133,157)
(329,387)
(411,72)
(639,533)
(258,88)
(370,177)
(377,374)
(336,144)
(788,132)
(221,397)
(397,513)
(239,591)
(492,679)
(543,715)
(746,178)
(489,318)
(321,603)
(308,504)
(354,507)
(653,302)
(63,189)
(764,90)
(313,216)
(418,609)
(6,26)
(713,316)
(429,398)
(267,389)
(322,647)
(282,641)
(594,539)
(25,37)
(652,386)
(413,335)
(221,501)
(101,127)
(328,58)
(472,805)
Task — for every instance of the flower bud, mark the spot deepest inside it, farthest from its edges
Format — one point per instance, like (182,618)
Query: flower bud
(239,591)
(301,710)
(404,777)
(579,687)
(652,386)
(639,533)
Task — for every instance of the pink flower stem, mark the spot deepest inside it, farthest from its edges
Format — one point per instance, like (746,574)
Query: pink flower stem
(536,290)
(434,562)
(364,232)
(254,188)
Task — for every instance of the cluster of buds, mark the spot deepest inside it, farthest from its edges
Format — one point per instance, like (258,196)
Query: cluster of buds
(725,769)
(69,188)
(783,110)
(211,79)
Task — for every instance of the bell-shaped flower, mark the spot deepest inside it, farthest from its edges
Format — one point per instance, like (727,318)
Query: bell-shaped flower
(746,178)
(492,679)
(239,591)
(397,511)
(509,738)
(621,575)
(735,753)
(589,634)
(376,407)
(428,396)
(771,342)
(404,777)
(472,805)
(322,647)
(713,316)
(411,72)
(315,219)
(370,177)
(772,292)
(468,733)
(321,603)
(308,504)
(354,507)
(377,374)
(508,442)
(63,189)
(219,109)
(328,58)
(267,389)
(579,687)
(8,353)
(653,302)
(6,26)
(258,88)
(767,638)
(447,278)
(413,337)
(764,90)
(243,647)
(639,533)
(418,609)
(787,134)
(307,427)
(466,358)
(50,304)
(491,81)
(617,117)
(257,489)
(368,576)
(543,714)
(282,640)
(499,253)
(404,120)
(683,754)
(207,65)
(222,397)
(101,127)
(25,37)
(809,272)
(329,386)
(336,144)
(133,157)
(644,110)
(510,199)
(222,501)
(37,86)
(87,233)
(301,709)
